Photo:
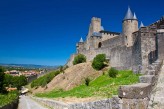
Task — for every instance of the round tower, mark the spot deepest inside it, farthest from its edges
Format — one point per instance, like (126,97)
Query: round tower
(129,25)
(96,24)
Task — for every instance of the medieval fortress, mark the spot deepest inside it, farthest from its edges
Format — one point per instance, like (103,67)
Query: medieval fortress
(134,48)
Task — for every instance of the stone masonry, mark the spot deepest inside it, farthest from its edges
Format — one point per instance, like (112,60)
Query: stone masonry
(134,48)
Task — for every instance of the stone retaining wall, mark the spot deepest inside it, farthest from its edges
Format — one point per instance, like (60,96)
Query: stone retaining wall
(112,103)
(100,104)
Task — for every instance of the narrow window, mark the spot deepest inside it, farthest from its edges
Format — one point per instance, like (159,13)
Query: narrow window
(99,45)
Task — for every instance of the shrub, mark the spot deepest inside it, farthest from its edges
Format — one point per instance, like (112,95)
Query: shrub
(80,58)
(87,81)
(113,72)
(99,62)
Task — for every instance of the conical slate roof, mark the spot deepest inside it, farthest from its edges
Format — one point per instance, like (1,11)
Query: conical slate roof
(129,14)
(81,39)
(102,28)
(141,25)
(134,17)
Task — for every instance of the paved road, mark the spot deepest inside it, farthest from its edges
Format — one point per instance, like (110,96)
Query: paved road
(26,102)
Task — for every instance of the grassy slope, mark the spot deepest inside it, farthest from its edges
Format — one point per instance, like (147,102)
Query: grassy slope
(103,86)
(8,98)
(44,80)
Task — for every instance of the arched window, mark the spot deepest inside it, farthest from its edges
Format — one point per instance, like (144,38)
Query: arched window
(99,45)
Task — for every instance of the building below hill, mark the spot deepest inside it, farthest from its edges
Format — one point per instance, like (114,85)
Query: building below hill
(134,48)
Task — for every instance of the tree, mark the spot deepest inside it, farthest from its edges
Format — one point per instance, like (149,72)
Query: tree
(2,76)
(8,80)
(99,62)
(80,58)
(19,81)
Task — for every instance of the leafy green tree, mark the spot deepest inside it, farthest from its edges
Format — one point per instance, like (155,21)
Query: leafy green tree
(19,81)
(8,80)
(23,80)
(2,77)
(99,62)
(80,58)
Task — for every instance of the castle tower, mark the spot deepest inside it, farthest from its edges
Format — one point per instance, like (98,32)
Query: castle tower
(95,26)
(80,45)
(141,25)
(129,25)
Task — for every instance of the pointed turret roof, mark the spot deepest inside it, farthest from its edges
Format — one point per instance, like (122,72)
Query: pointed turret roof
(102,28)
(81,39)
(141,25)
(129,14)
(134,17)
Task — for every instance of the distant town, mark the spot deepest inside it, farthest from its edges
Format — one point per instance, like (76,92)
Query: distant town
(30,71)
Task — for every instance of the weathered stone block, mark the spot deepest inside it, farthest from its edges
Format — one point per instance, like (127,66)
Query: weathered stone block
(151,67)
(135,103)
(151,72)
(147,79)
(116,102)
(136,91)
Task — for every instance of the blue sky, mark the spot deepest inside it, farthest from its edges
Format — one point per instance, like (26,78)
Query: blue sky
(45,32)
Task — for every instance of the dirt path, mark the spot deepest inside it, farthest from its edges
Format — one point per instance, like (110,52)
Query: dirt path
(26,102)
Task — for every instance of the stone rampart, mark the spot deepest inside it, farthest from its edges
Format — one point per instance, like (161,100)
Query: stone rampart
(160,37)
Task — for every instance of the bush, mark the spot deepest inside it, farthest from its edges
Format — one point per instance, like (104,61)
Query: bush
(87,81)
(99,62)
(113,72)
(80,58)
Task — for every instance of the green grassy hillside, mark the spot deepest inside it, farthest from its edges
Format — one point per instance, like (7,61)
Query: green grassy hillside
(104,86)
(44,80)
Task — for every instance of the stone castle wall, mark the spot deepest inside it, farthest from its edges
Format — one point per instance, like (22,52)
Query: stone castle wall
(136,53)
(106,36)
(160,45)
(121,57)
(148,44)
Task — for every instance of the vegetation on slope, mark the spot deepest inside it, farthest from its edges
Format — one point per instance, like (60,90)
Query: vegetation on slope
(104,86)
(2,77)
(99,62)
(8,98)
(80,58)
(44,80)
(15,81)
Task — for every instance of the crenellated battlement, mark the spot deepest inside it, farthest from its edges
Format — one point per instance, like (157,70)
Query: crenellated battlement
(96,19)
(159,24)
